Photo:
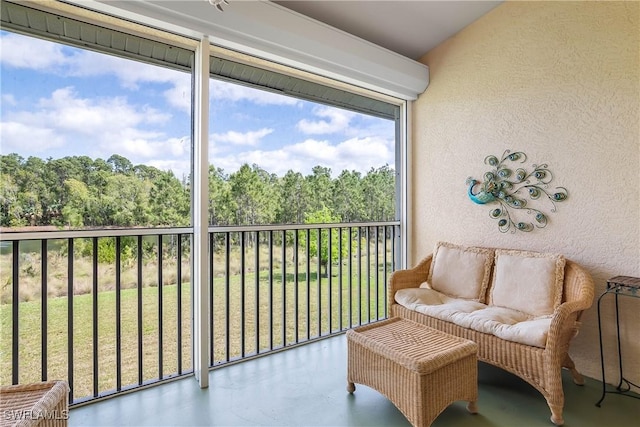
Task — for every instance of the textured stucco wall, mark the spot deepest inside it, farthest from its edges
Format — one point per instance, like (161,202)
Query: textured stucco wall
(561,82)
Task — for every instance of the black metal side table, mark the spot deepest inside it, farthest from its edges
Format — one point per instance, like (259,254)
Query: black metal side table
(618,286)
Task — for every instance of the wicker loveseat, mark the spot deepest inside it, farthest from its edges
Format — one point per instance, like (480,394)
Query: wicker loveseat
(521,308)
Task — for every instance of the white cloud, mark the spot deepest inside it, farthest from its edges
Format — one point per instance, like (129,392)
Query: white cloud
(179,95)
(8,99)
(180,168)
(32,53)
(365,126)
(322,151)
(132,73)
(29,52)
(20,137)
(251,138)
(358,154)
(371,151)
(103,126)
(90,116)
(337,121)
(236,92)
(140,145)
(88,63)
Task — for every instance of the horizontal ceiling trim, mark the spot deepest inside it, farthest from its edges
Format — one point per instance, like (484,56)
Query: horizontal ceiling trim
(299,88)
(81,13)
(254,61)
(274,33)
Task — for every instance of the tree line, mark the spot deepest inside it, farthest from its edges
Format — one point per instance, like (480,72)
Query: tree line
(77,192)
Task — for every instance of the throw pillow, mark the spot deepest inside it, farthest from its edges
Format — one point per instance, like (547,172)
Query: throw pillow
(530,282)
(461,272)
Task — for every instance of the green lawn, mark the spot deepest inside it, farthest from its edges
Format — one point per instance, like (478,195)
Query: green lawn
(257,310)
(57,338)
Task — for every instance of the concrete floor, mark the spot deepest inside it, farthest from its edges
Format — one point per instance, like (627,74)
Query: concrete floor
(306,386)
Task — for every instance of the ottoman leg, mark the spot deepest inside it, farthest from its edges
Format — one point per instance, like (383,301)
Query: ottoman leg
(472,407)
(351,387)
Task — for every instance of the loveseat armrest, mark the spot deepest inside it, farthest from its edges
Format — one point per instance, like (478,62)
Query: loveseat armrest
(409,278)
(578,296)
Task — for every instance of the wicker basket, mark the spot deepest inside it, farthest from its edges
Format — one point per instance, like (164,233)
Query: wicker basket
(38,404)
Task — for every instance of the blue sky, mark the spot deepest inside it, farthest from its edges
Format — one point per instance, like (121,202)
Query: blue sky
(60,101)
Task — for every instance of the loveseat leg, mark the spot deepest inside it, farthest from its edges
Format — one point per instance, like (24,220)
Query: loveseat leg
(556,414)
(577,376)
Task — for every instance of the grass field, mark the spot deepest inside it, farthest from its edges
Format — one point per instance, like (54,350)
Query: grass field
(260,309)
(57,338)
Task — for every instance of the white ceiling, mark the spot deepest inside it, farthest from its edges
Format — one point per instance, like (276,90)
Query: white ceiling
(410,28)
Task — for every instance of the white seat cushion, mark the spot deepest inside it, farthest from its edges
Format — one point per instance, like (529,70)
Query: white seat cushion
(413,297)
(505,323)
(531,332)
(453,311)
(510,325)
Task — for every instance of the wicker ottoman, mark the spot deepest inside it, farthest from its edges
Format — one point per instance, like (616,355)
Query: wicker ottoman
(421,370)
(38,404)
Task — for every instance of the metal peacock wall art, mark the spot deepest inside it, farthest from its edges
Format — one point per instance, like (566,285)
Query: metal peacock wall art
(511,188)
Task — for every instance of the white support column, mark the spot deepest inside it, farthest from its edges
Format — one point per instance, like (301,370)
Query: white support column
(406,217)
(200,196)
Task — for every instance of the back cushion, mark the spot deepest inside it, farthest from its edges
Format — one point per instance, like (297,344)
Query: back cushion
(460,272)
(530,282)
